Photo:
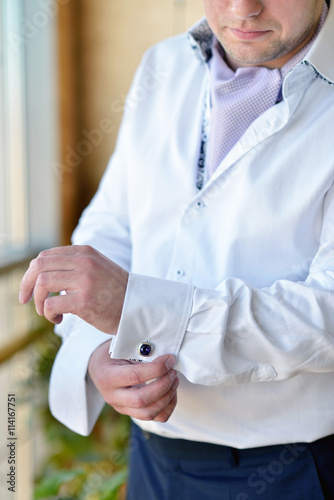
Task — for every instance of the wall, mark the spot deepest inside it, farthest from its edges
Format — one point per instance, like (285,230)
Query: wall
(112,36)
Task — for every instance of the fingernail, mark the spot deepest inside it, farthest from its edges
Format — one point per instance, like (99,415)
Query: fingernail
(170,362)
(20,298)
(175,383)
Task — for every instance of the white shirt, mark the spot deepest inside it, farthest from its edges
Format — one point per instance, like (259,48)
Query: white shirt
(236,280)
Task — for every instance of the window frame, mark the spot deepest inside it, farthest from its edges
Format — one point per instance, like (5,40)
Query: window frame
(29,130)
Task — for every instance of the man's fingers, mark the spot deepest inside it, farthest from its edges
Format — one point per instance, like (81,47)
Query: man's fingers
(51,282)
(122,384)
(39,266)
(159,410)
(99,285)
(56,306)
(125,376)
(166,413)
(155,400)
(143,396)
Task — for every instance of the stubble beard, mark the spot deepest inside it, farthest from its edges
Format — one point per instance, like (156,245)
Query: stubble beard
(248,54)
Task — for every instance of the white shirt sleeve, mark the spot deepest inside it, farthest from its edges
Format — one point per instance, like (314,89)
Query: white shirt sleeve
(73,398)
(235,333)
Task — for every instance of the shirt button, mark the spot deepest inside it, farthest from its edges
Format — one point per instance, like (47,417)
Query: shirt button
(200,204)
(180,272)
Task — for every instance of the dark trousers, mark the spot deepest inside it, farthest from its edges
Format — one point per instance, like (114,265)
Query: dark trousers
(176,469)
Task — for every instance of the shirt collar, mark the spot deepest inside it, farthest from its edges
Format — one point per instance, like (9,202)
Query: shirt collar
(200,37)
(321,55)
(319,52)
(300,56)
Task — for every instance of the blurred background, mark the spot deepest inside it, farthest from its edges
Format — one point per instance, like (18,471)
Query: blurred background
(65,69)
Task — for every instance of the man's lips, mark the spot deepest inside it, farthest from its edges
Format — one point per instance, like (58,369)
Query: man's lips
(248,34)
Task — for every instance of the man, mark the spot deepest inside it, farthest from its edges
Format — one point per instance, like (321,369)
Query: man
(213,258)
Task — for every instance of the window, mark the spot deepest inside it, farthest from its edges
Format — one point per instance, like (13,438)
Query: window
(12,137)
(29,193)
(28,129)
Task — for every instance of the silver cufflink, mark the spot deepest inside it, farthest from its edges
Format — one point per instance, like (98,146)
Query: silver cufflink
(145,348)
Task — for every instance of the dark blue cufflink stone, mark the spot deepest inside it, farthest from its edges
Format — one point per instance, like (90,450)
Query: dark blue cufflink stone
(145,349)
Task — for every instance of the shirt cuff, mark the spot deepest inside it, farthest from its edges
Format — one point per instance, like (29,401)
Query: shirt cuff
(73,398)
(155,312)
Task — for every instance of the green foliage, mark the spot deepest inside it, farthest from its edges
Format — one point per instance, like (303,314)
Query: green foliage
(111,487)
(78,467)
(51,485)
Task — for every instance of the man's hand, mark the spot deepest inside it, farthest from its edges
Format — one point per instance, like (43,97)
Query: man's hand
(123,384)
(95,286)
